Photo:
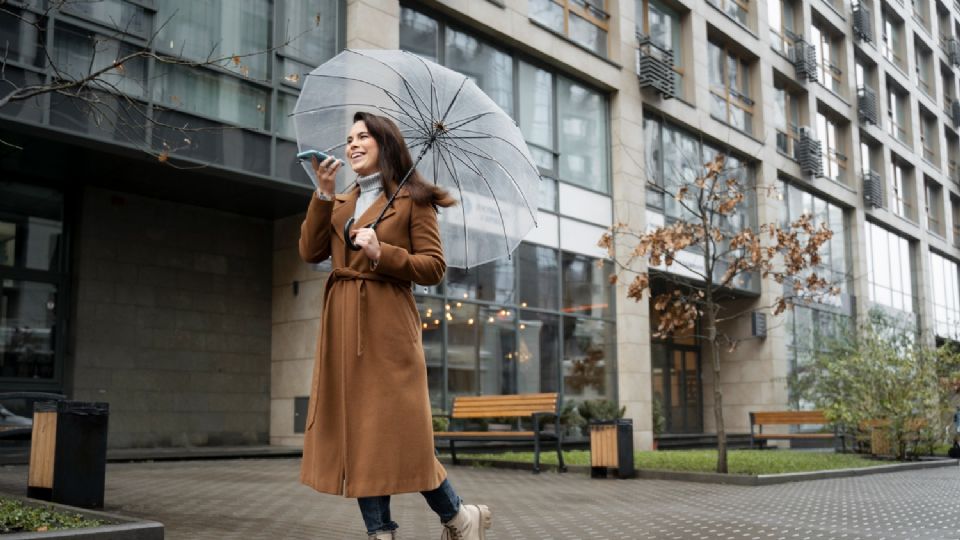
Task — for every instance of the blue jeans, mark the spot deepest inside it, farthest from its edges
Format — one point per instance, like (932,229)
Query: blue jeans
(376,510)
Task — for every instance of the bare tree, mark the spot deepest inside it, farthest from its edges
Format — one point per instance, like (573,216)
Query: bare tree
(101,87)
(707,252)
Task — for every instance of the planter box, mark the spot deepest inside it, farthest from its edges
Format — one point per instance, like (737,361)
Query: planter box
(123,528)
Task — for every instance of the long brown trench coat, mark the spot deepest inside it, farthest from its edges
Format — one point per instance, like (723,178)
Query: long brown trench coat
(369,429)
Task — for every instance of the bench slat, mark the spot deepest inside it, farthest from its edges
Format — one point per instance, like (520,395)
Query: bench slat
(498,413)
(483,434)
(794,436)
(788,417)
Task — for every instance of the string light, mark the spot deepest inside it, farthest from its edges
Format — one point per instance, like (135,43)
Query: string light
(424,326)
(523,304)
(469,321)
(436,321)
(523,327)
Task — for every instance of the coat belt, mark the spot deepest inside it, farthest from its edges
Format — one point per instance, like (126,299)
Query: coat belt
(360,278)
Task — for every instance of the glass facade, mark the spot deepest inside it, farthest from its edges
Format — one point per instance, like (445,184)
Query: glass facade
(33,273)
(945,285)
(254,55)
(543,320)
(890,270)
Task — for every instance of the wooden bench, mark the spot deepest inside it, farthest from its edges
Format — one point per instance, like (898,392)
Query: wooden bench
(518,406)
(785,418)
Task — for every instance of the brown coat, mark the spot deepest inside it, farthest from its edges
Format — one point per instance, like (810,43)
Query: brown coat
(369,430)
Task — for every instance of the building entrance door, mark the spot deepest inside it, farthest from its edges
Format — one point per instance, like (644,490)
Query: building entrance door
(677,383)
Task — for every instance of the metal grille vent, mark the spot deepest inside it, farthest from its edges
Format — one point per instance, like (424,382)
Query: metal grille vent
(808,153)
(805,60)
(863,23)
(872,189)
(655,67)
(867,104)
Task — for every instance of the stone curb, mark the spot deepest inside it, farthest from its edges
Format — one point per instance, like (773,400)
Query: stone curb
(734,479)
(125,528)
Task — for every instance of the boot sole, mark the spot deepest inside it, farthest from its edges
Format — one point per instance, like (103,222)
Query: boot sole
(486,519)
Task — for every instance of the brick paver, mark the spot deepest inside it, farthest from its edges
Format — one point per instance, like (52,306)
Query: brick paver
(262,499)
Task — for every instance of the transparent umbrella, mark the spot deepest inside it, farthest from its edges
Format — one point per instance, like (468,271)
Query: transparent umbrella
(460,139)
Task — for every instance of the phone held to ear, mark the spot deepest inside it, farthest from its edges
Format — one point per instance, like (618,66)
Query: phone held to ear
(321,157)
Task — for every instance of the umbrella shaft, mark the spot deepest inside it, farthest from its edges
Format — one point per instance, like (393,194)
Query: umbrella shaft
(403,181)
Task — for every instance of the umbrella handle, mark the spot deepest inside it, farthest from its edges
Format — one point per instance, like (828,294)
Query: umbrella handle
(346,235)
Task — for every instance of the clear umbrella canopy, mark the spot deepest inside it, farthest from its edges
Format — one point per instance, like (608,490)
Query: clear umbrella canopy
(464,141)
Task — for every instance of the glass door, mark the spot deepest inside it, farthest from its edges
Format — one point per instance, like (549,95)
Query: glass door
(677,383)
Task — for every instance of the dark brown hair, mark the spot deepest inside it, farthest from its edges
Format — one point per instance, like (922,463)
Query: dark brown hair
(394,161)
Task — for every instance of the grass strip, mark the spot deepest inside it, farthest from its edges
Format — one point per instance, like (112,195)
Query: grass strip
(750,462)
(16,517)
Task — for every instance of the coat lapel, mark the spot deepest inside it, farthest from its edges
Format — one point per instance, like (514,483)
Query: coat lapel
(343,210)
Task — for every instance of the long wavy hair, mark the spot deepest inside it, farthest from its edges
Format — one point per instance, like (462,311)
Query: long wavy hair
(394,161)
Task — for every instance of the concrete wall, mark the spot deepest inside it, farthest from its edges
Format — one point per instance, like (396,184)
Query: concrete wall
(296,320)
(172,321)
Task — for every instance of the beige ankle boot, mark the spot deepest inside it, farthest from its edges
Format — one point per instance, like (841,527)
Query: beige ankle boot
(470,523)
(386,535)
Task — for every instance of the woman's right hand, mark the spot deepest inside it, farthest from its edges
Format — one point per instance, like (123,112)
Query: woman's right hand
(326,172)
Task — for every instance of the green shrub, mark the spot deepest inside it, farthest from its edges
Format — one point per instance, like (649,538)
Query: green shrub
(600,410)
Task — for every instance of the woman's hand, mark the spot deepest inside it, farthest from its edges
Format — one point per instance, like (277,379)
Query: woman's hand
(366,238)
(326,172)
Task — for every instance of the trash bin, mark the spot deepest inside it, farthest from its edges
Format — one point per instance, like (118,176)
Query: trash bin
(611,446)
(68,453)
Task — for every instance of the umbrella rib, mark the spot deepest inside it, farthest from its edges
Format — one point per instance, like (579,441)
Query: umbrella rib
(463,212)
(464,121)
(503,224)
(396,99)
(434,99)
(486,156)
(406,84)
(481,135)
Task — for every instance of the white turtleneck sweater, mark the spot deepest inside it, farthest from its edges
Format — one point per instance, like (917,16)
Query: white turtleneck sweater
(370,189)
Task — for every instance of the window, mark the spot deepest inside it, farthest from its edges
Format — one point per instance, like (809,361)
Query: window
(953,153)
(662,24)
(891,43)
(945,275)
(211,94)
(889,269)
(933,196)
(781,18)
(200,28)
(564,122)
(866,157)
(901,185)
(924,60)
(786,118)
(585,23)
(317,23)
(949,89)
(832,156)
(78,52)
(921,13)
(955,210)
(897,120)
(834,265)
(828,51)
(738,10)
(944,25)
(929,137)
(730,88)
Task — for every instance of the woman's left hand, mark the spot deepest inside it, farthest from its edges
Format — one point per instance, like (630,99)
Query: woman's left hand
(366,238)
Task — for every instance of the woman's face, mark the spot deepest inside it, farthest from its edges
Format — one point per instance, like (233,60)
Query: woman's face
(363,152)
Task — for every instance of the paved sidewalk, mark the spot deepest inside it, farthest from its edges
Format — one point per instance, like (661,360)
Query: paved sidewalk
(262,499)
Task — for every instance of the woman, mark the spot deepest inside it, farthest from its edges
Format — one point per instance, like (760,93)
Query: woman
(369,430)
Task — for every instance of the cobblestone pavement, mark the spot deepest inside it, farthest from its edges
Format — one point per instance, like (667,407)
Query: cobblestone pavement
(262,499)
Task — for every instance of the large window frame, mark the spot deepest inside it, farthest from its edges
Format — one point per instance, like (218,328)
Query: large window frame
(782,20)
(832,143)
(733,88)
(829,73)
(574,11)
(901,187)
(890,269)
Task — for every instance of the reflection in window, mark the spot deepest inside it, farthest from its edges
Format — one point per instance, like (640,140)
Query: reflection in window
(737,9)
(539,276)
(120,14)
(211,94)
(78,53)
(832,156)
(312,26)
(889,269)
(481,348)
(419,34)
(492,281)
(588,358)
(433,319)
(583,22)
(489,68)
(31,241)
(834,263)
(945,275)
(586,286)
(829,72)
(211,29)
(27,329)
(538,365)
(786,118)
(662,24)
(536,113)
(901,183)
(730,88)
(583,136)
(811,331)
(780,16)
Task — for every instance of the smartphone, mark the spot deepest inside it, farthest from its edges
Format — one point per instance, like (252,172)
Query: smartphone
(321,157)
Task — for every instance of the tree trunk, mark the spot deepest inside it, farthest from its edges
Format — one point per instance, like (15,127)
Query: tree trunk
(711,329)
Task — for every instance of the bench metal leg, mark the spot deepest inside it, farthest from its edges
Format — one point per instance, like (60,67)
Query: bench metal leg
(563,467)
(453,452)
(536,453)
